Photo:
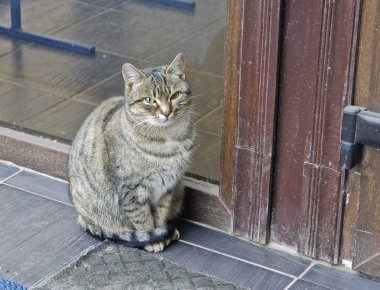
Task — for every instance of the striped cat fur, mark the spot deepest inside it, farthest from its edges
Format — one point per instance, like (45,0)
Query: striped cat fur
(129,156)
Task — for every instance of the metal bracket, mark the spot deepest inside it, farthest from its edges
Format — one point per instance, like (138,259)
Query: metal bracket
(186,4)
(360,127)
(16,31)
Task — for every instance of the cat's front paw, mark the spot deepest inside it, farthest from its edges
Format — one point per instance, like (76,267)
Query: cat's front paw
(160,246)
(156,247)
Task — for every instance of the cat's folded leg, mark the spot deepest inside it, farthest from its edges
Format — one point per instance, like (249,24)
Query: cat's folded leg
(136,209)
(162,210)
(169,206)
(140,216)
(167,209)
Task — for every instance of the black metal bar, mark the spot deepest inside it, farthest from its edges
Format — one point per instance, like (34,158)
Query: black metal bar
(350,114)
(50,41)
(360,127)
(15,14)
(350,152)
(186,4)
(16,31)
(368,128)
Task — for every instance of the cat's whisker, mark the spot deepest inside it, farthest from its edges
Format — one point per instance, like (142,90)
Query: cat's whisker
(194,113)
(196,96)
(144,121)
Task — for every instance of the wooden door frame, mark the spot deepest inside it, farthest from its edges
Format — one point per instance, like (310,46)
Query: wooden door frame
(253,48)
(251,71)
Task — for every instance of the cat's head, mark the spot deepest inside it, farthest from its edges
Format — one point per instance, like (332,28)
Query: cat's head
(158,96)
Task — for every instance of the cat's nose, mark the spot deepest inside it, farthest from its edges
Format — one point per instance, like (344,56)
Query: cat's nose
(165,110)
(166,113)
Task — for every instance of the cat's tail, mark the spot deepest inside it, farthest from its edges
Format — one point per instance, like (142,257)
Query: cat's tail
(137,239)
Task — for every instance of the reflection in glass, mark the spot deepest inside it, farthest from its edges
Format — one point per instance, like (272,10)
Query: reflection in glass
(50,91)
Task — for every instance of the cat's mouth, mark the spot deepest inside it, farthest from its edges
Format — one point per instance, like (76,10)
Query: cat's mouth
(164,121)
(161,120)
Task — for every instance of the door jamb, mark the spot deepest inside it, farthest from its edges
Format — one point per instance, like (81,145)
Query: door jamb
(251,84)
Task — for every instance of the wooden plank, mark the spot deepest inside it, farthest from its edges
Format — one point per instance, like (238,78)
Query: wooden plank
(361,242)
(36,153)
(207,209)
(316,80)
(249,114)
(367,232)
(230,101)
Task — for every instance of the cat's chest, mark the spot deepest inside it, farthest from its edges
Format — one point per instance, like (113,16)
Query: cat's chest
(170,148)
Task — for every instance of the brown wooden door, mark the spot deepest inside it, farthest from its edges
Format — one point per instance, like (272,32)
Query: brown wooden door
(289,74)
(315,85)
(362,217)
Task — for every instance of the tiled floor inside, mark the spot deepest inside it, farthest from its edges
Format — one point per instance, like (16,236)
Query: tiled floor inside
(39,237)
(51,91)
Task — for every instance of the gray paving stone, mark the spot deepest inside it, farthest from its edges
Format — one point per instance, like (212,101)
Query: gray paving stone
(38,237)
(303,285)
(7,170)
(217,265)
(221,242)
(340,279)
(42,185)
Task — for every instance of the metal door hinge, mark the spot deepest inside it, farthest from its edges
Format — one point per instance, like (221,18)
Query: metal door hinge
(360,127)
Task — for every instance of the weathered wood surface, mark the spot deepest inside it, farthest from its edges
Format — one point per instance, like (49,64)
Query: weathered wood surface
(316,80)
(249,114)
(362,215)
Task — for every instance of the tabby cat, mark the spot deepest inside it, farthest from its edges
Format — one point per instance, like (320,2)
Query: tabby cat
(129,156)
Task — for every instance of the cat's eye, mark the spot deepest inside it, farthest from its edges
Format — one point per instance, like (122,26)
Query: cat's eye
(149,101)
(177,94)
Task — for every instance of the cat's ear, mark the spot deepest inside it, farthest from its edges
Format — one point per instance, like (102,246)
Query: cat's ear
(132,75)
(177,67)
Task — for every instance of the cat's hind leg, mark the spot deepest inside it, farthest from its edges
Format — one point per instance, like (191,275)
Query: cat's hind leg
(90,227)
